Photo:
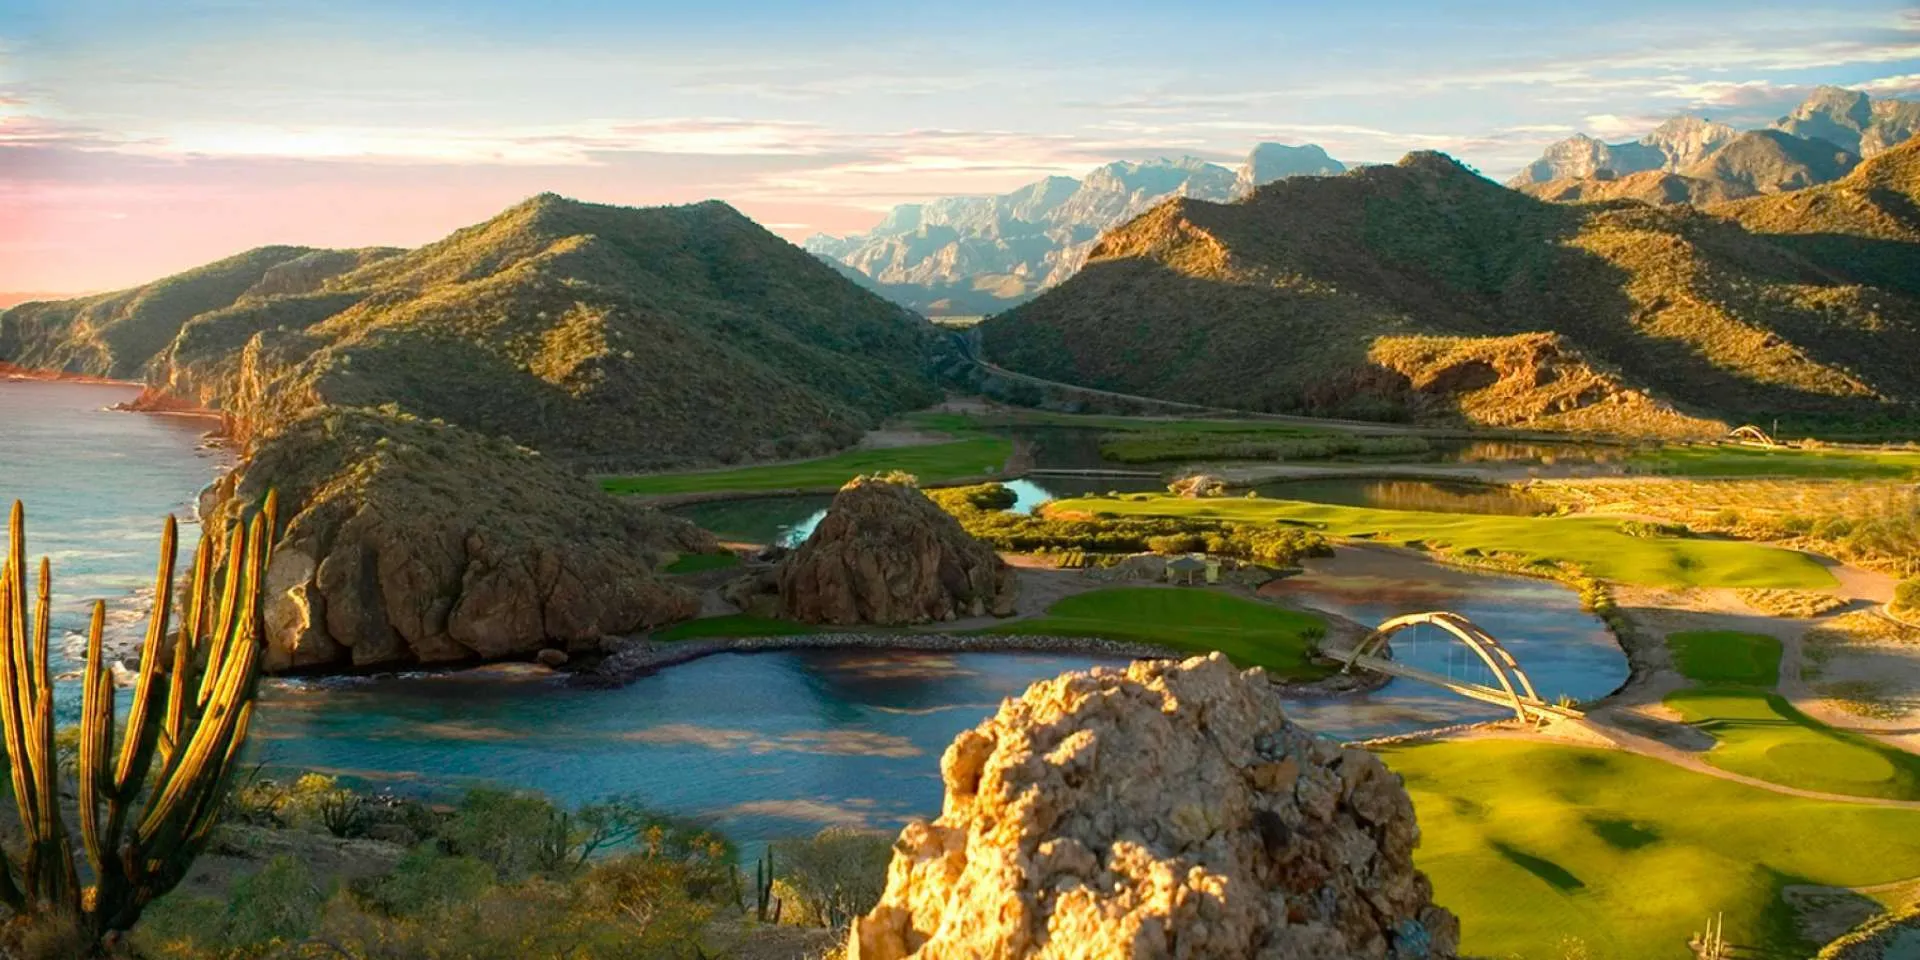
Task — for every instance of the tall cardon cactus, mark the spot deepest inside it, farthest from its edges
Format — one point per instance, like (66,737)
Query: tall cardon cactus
(149,790)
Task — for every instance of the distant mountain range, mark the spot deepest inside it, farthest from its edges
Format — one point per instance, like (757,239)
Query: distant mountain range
(1423,290)
(1703,161)
(975,255)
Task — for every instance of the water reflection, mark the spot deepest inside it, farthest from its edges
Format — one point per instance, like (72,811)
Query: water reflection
(1439,496)
(1565,651)
(768,744)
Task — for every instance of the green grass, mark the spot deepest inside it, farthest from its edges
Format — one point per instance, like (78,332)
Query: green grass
(1189,618)
(1735,461)
(702,562)
(958,422)
(933,463)
(1531,843)
(1759,734)
(1724,656)
(733,625)
(1595,544)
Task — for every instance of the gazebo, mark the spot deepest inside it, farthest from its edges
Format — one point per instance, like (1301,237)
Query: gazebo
(1188,570)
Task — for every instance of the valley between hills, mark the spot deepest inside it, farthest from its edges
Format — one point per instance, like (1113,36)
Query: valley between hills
(591,445)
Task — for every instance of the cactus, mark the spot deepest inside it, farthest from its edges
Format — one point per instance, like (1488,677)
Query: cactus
(146,808)
(766,907)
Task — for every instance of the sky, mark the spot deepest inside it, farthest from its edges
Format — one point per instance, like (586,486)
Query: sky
(142,137)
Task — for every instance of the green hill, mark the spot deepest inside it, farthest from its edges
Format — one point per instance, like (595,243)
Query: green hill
(608,336)
(1422,290)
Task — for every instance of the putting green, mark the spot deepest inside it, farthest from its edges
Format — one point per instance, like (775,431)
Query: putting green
(932,463)
(1537,844)
(1759,734)
(1249,632)
(1595,544)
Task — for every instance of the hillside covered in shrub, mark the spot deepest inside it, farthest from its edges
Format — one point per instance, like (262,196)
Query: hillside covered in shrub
(1424,291)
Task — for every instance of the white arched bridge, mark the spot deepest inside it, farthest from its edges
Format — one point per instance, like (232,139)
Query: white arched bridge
(1752,435)
(1514,690)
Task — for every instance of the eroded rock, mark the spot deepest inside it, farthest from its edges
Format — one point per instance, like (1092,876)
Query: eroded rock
(886,554)
(1168,810)
(407,541)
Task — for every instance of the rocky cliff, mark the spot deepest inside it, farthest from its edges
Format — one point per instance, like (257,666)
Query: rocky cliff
(1170,810)
(412,541)
(1853,121)
(1268,162)
(1831,120)
(885,554)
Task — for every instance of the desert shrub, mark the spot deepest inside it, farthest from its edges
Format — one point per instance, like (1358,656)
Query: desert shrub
(1152,446)
(514,833)
(425,880)
(266,914)
(1906,596)
(1651,529)
(1177,543)
(834,876)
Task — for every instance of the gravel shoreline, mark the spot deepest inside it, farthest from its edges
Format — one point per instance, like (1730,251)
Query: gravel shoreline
(640,657)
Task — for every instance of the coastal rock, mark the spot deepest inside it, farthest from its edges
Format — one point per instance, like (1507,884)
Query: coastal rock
(408,541)
(1169,810)
(885,554)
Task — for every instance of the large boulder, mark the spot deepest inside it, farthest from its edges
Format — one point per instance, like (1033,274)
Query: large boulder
(886,554)
(1168,810)
(409,541)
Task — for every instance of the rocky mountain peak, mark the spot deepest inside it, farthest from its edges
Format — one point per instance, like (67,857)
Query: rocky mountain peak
(1268,162)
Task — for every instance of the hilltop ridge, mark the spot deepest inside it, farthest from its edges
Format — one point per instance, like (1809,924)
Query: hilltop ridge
(1422,290)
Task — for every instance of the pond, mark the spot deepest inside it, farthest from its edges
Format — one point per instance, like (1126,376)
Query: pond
(1564,650)
(1436,496)
(787,521)
(766,745)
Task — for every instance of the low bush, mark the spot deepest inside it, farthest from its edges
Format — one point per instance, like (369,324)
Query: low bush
(1906,597)
(832,877)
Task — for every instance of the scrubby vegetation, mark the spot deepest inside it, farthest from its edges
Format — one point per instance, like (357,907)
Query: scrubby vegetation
(1175,445)
(1906,598)
(1418,290)
(982,512)
(830,878)
(1252,633)
(500,874)
(1726,460)
(1555,545)
(1871,523)
(702,562)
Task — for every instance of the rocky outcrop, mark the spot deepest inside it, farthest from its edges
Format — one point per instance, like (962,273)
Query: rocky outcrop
(1268,162)
(409,541)
(885,554)
(1169,810)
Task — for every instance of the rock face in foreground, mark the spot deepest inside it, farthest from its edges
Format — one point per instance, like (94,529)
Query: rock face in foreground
(1170,810)
(885,554)
(409,541)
